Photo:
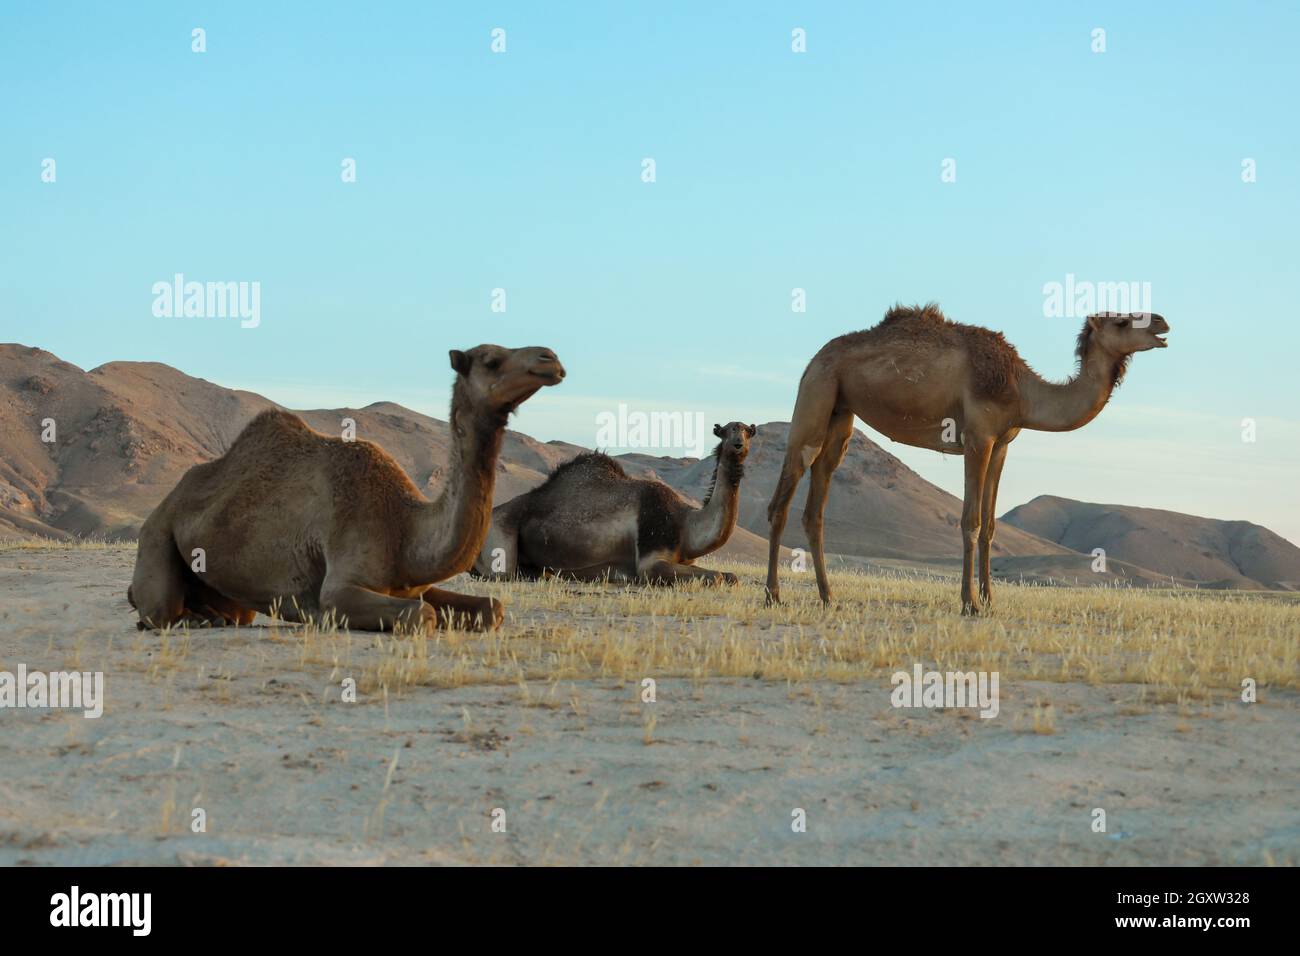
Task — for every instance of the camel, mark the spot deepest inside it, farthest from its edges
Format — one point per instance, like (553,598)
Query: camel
(311,527)
(589,521)
(958,389)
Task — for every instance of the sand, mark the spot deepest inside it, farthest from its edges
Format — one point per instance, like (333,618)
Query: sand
(585,772)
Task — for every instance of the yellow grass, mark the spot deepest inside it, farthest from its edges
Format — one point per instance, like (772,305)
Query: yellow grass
(53,544)
(1181,644)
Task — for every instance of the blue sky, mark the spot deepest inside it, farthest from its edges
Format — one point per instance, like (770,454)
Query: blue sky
(774,170)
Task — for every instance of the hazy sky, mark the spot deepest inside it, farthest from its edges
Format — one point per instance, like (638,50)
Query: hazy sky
(774,170)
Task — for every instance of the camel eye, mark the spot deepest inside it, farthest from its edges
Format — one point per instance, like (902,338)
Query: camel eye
(492,364)
(1123,323)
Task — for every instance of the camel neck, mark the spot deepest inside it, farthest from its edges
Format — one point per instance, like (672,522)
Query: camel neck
(1062,407)
(445,535)
(709,527)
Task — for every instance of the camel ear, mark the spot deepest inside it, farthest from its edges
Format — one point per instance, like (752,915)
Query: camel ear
(751,430)
(459,362)
(717,430)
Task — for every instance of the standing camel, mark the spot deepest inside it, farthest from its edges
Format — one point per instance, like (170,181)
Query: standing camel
(959,389)
(307,525)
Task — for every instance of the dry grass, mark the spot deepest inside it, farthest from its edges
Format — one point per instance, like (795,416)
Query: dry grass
(569,663)
(70,544)
(1182,645)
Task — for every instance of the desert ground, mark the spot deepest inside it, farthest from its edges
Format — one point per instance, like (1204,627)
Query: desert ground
(1118,699)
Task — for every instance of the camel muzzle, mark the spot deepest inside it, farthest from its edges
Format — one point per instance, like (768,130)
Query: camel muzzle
(552,370)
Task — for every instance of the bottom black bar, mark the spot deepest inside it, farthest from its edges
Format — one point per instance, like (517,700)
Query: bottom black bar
(331,905)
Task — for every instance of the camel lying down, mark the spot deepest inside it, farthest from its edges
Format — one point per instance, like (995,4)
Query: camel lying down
(309,526)
(292,521)
(591,521)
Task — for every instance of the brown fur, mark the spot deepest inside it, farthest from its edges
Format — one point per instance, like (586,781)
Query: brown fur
(590,520)
(993,360)
(1082,345)
(309,525)
(960,389)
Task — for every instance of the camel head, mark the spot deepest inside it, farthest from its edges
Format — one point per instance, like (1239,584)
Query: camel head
(500,379)
(1121,334)
(735,439)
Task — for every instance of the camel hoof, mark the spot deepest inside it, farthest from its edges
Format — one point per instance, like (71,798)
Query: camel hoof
(497,612)
(970,610)
(771,599)
(726,577)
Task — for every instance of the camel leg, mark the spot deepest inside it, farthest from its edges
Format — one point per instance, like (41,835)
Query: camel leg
(157,590)
(988,521)
(365,610)
(977,456)
(200,615)
(663,571)
(214,607)
(819,480)
(813,410)
(465,610)
(778,510)
(602,572)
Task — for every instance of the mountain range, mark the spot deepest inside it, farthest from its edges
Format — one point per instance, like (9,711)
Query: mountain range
(91,453)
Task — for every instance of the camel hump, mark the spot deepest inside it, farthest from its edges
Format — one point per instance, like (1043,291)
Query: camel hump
(993,361)
(921,320)
(276,419)
(930,314)
(271,424)
(589,465)
(917,324)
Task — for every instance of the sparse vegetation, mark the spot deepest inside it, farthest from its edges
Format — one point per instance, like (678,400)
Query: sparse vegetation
(1181,645)
(53,544)
(1178,643)
(546,716)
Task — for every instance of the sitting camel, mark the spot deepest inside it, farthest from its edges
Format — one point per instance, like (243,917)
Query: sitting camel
(590,521)
(306,525)
(959,389)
